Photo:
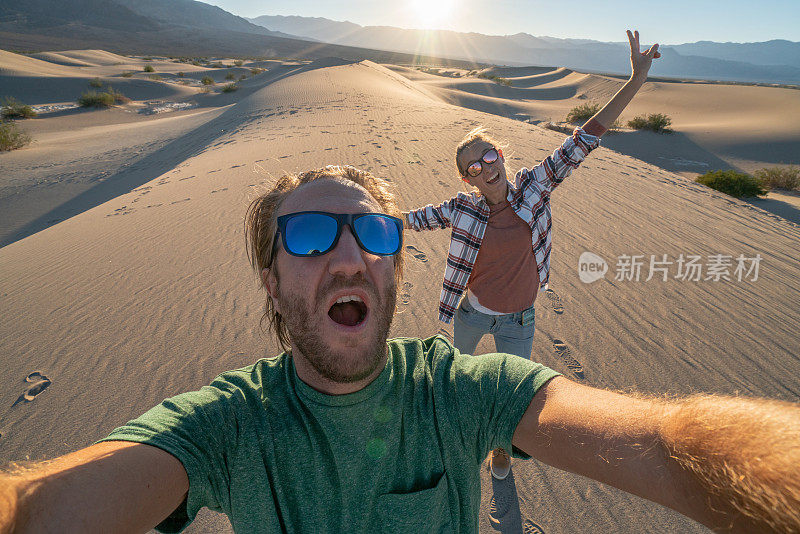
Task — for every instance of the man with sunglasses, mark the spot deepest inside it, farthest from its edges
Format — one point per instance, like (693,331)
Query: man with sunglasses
(349,432)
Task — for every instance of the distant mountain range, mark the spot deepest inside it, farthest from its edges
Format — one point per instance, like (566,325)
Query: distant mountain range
(159,27)
(192,28)
(772,61)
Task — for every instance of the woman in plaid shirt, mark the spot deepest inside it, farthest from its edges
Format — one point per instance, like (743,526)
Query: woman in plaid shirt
(500,244)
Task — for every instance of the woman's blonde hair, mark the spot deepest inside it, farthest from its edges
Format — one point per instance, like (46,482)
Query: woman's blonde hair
(261,224)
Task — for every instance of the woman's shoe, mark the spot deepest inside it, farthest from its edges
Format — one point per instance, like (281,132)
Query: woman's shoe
(500,464)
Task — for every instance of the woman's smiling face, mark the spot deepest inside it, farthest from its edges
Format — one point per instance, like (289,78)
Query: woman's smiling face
(491,181)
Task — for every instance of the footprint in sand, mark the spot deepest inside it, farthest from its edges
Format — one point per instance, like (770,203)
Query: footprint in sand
(35,376)
(555,301)
(565,354)
(443,183)
(405,295)
(499,506)
(417,253)
(38,382)
(529,527)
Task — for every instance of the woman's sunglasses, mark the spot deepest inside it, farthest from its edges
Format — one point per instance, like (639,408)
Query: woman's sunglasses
(314,233)
(476,167)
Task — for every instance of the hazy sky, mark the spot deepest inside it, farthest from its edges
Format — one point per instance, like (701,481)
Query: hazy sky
(668,21)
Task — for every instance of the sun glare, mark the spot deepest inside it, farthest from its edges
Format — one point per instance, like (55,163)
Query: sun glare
(432,15)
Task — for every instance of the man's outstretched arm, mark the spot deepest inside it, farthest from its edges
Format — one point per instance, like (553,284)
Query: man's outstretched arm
(728,463)
(114,486)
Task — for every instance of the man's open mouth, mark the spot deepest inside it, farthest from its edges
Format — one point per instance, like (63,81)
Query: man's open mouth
(348,310)
(493,179)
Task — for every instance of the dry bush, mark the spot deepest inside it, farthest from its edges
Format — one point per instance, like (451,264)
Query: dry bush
(657,122)
(584,112)
(119,98)
(14,109)
(11,137)
(95,82)
(733,183)
(229,88)
(779,177)
(207,80)
(496,79)
(96,99)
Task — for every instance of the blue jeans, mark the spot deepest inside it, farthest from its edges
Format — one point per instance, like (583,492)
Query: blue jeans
(511,336)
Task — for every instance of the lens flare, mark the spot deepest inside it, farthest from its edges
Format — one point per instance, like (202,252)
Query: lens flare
(433,15)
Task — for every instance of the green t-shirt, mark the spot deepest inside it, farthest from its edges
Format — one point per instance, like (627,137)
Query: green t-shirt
(401,455)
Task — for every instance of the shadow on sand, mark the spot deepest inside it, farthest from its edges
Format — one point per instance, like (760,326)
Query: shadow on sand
(160,161)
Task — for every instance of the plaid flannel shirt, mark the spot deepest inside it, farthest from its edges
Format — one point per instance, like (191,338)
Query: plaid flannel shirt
(468,215)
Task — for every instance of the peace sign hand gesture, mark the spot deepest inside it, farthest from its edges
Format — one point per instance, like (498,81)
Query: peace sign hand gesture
(641,61)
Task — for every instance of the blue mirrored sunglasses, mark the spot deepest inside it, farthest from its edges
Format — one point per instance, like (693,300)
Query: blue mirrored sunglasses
(314,233)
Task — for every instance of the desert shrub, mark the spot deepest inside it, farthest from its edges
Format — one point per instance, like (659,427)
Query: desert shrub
(657,122)
(230,76)
(238,62)
(126,74)
(14,109)
(96,99)
(733,183)
(196,63)
(149,68)
(217,65)
(181,74)
(229,88)
(496,79)
(584,112)
(96,82)
(155,77)
(256,70)
(11,137)
(242,77)
(148,58)
(118,97)
(207,80)
(779,177)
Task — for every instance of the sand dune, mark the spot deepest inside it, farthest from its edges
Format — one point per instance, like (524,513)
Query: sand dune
(146,291)
(717,126)
(94,57)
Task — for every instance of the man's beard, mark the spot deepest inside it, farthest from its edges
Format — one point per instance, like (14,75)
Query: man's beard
(350,365)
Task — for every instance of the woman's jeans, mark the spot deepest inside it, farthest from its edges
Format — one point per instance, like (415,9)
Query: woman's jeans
(511,336)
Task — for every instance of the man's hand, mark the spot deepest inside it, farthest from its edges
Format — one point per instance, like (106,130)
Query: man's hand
(641,61)
(727,462)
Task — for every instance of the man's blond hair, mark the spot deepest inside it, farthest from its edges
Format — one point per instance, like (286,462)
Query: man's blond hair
(261,223)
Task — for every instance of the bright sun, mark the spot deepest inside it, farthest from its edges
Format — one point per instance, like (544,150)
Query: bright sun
(431,15)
